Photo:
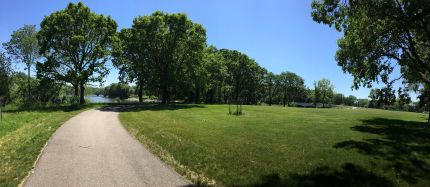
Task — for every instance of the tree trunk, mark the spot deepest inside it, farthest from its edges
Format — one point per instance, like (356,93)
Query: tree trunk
(323,100)
(229,107)
(428,121)
(219,94)
(428,105)
(197,96)
(284,98)
(428,108)
(270,100)
(81,95)
(225,97)
(237,107)
(164,96)
(140,93)
(29,85)
(76,90)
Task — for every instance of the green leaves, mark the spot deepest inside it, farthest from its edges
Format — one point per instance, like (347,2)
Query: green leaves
(378,35)
(292,87)
(324,91)
(77,44)
(162,51)
(5,72)
(23,45)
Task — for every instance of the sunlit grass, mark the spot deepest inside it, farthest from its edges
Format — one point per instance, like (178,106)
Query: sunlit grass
(269,146)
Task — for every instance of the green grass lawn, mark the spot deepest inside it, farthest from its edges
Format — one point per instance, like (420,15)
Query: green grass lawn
(23,133)
(276,146)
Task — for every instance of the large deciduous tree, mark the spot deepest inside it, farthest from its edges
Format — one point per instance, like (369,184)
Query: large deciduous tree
(163,50)
(292,87)
(216,72)
(244,76)
(77,43)
(324,91)
(378,36)
(23,47)
(272,83)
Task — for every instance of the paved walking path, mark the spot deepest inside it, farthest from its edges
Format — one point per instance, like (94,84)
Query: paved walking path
(93,149)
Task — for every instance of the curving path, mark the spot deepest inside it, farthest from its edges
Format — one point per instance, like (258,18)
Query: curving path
(93,149)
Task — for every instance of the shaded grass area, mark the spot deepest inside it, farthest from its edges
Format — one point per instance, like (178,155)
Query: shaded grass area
(23,133)
(275,146)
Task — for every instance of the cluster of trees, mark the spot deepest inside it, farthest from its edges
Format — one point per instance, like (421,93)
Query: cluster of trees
(70,50)
(164,55)
(117,90)
(378,37)
(388,98)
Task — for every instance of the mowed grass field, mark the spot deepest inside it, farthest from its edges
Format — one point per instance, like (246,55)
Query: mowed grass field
(276,146)
(23,133)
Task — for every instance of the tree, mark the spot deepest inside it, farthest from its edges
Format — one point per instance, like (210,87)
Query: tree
(363,102)
(382,98)
(404,98)
(23,47)
(351,100)
(130,59)
(273,83)
(338,99)
(424,97)
(164,50)
(244,76)
(373,96)
(324,91)
(217,73)
(5,72)
(378,36)
(118,90)
(292,87)
(77,44)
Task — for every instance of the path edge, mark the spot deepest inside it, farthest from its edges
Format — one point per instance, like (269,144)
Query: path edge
(42,151)
(196,178)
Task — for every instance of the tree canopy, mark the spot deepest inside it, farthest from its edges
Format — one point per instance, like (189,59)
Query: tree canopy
(166,57)
(293,87)
(163,50)
(378,36)
(23,47)
(5,72)
(324,91)
(77,43)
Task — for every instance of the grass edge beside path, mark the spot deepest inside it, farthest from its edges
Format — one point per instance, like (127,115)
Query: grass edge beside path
(25,135)
(199,179)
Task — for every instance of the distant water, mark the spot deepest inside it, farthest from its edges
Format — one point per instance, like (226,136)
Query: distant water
(98,99)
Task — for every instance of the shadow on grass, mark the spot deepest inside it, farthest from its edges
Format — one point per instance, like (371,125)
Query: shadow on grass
(404,146)
(349,175)
(147,107)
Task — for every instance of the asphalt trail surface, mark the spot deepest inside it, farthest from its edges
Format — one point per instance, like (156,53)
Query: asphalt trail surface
(94,149)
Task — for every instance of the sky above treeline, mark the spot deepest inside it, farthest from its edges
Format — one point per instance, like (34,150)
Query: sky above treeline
(280,35)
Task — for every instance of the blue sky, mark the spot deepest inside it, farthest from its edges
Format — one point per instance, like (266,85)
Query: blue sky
(280,35)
